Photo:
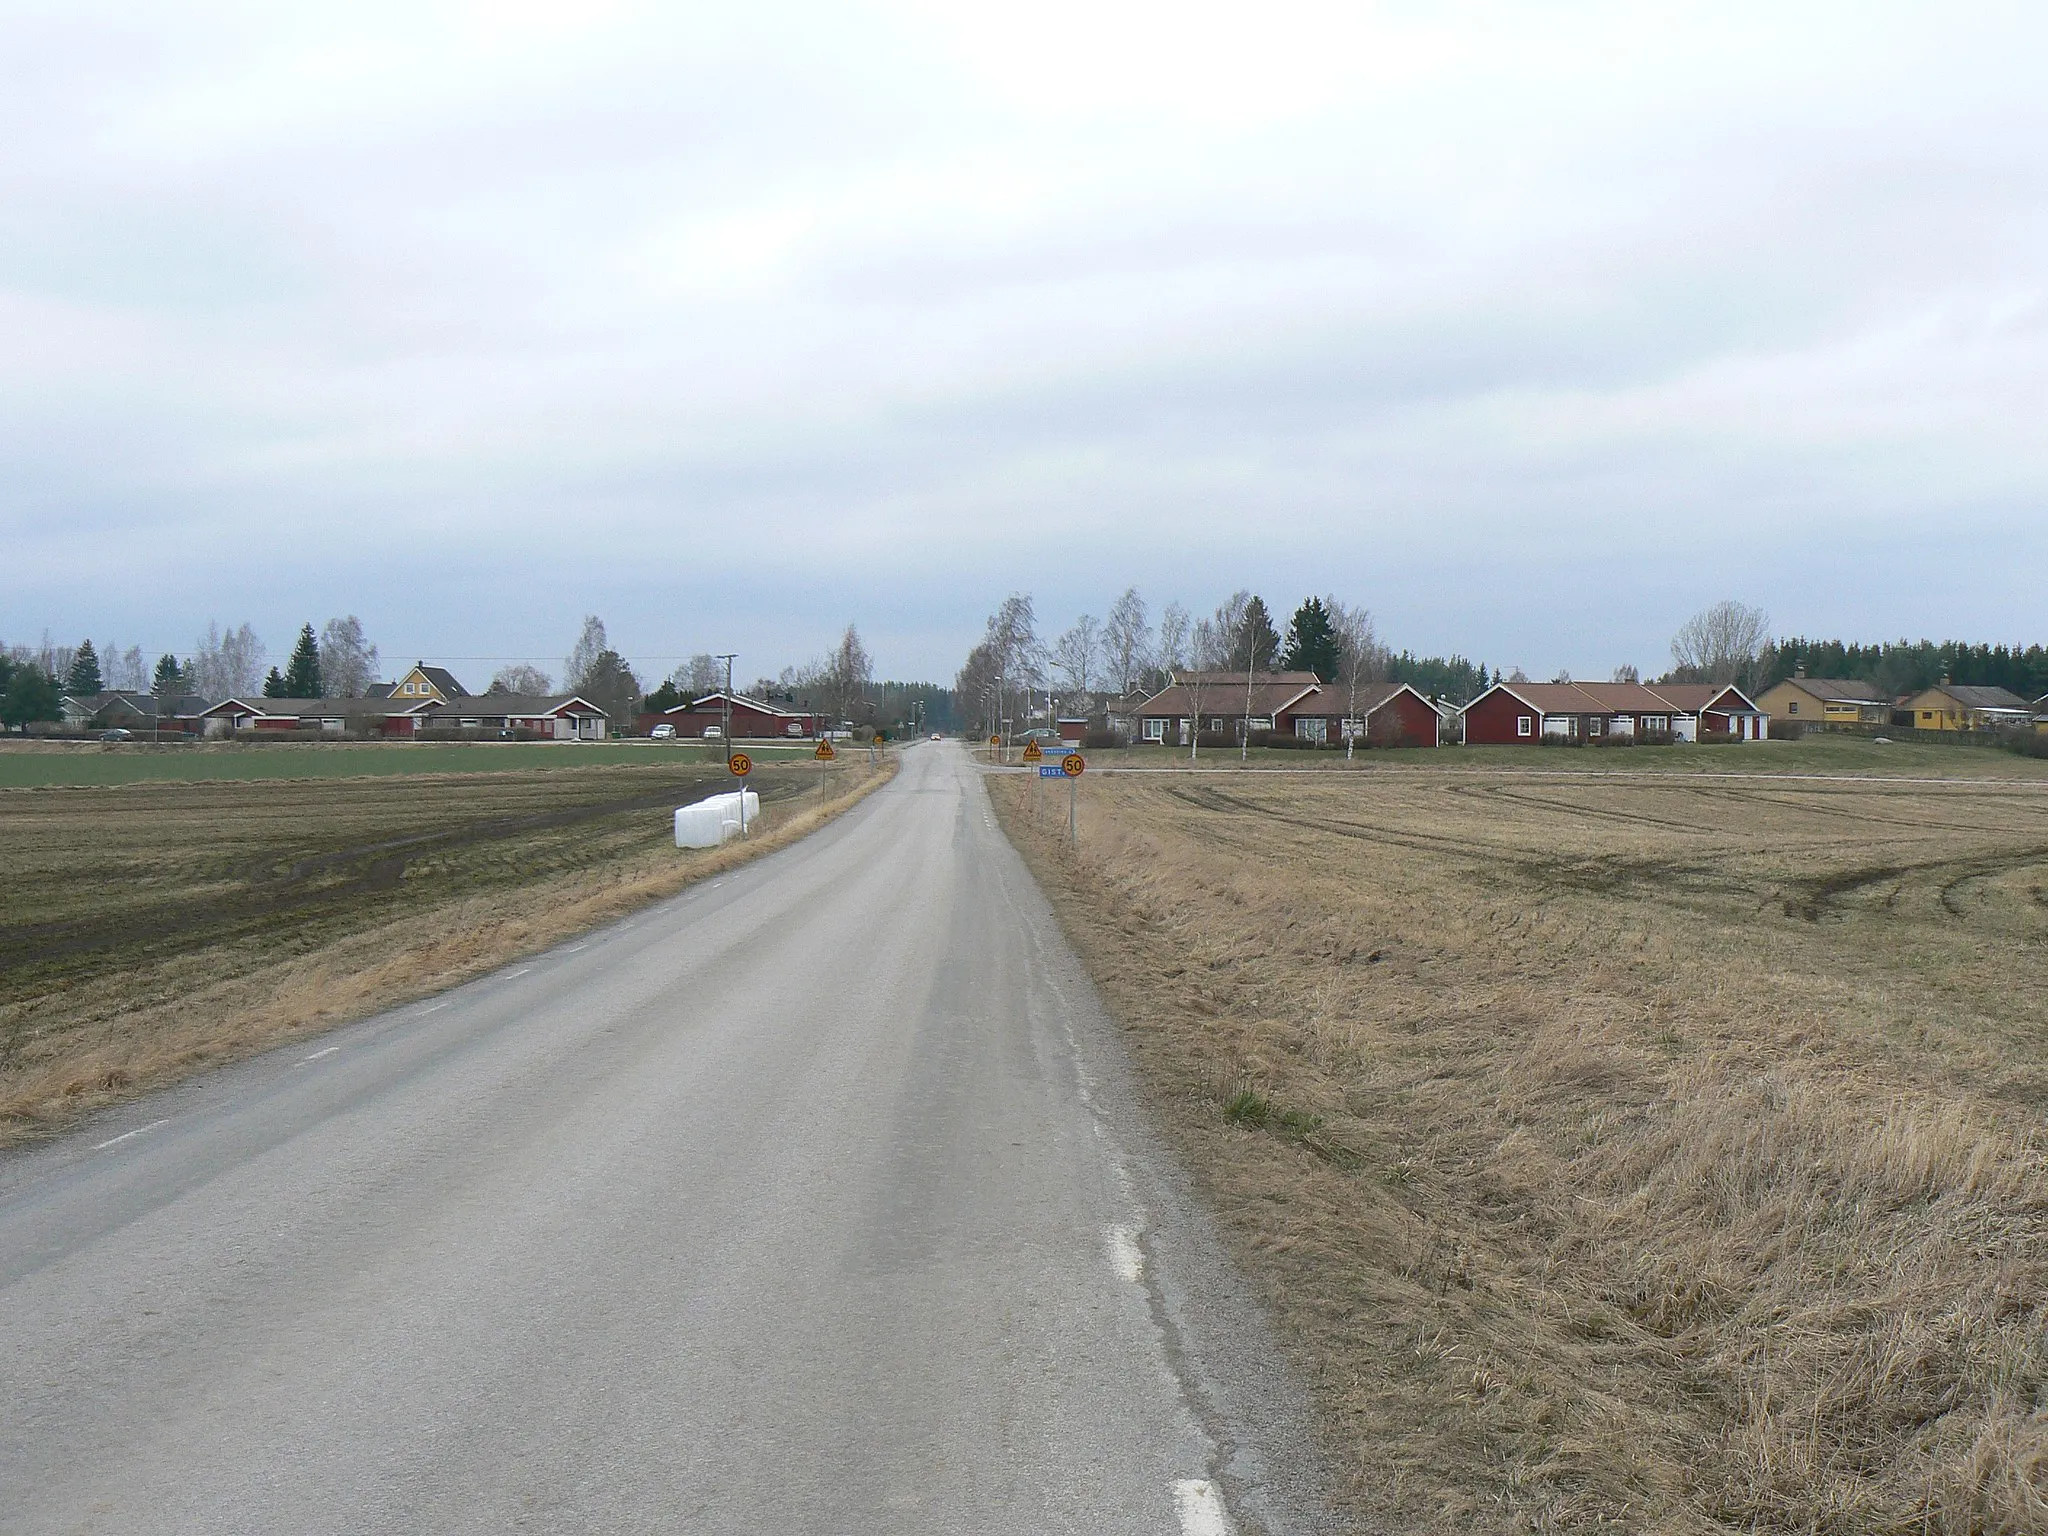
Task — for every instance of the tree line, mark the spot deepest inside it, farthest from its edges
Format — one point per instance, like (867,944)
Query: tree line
(1907,666)
(1127,652)
(339,662)
(1731,642)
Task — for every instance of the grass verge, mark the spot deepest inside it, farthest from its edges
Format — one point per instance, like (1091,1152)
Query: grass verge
(1654,1157)
(150,930)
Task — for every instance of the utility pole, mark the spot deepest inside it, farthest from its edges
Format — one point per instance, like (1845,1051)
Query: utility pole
(725,732)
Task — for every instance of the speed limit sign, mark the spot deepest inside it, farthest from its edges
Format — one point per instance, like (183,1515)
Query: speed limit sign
(740,764)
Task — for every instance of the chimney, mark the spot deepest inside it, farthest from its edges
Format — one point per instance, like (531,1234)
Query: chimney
(1800,670)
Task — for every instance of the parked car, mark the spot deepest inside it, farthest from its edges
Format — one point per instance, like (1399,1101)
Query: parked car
(713,732)
(663,732)
(118,733)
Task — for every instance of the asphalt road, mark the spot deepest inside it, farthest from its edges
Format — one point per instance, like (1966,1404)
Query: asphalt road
(813,1200)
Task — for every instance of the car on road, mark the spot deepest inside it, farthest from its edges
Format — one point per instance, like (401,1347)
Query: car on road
(663,732)
(937,737)
(118,733)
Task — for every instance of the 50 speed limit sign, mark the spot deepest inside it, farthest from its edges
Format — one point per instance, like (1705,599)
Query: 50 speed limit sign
(740,764)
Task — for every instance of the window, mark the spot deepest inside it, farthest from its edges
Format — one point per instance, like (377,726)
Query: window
(1525,725)
(1312,728)
(1792,708)
(1155,730)
(1593,726)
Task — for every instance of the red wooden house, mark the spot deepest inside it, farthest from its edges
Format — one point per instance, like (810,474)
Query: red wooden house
(1508,714)
(751,719)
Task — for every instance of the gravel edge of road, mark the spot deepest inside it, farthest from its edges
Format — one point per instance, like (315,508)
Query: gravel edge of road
(1222,1347)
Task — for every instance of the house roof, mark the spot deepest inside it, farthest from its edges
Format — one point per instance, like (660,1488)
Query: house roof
(316,709)
(506,705)
(1839,690)
(740,701)
(439,676)
(1621,698)
(1334,701)
(124,700)
(1224,694)
(1691,698)
(1219,679)
(1971,696)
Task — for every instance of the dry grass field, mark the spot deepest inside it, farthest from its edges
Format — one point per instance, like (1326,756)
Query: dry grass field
(1629,1154)
(150,928)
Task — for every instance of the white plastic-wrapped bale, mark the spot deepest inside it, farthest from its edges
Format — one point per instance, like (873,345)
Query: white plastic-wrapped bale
(710,822)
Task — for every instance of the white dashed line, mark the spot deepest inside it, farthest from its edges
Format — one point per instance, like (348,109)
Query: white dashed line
(515,975)
(574,947)
(433,1008)
(1125,1257)
(138,1131)
(1200,1508)
(318,1054)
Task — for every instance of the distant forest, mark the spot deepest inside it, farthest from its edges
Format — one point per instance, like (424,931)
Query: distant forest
(1907,666)
(1449,677)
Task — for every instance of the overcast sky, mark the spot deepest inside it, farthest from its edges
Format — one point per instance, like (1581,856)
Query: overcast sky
(1535,328)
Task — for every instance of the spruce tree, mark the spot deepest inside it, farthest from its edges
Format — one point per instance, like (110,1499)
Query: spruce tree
(1254,643)
(31,696)
(302,672)
(275,687)
(84,677)
(170,677)
(1311,642)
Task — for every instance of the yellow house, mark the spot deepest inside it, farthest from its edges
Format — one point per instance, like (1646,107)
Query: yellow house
(423,682)
(1826,701)
(1963,707)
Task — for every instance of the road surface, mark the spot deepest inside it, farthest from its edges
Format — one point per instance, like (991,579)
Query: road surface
(812,1200)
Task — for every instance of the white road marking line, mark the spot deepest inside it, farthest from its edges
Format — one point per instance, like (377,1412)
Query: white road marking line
(1125,1257)
(1200,1508)
(433,1008)
(574,947)
(515,975)
(138,1131)
(318,1054)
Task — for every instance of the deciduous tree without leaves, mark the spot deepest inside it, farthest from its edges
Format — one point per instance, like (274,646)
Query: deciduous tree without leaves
(1721,644)
(348,662)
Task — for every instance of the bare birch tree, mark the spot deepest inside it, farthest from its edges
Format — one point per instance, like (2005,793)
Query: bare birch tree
(1126,641)
(1170,654)
(1721,644)
(1074,653)
(1208,650)
(1361,659)
(227,665)
(583,655)
(348,662)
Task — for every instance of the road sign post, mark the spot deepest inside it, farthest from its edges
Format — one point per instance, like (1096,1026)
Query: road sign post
(740,765)
(1073,765)
(824,754)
